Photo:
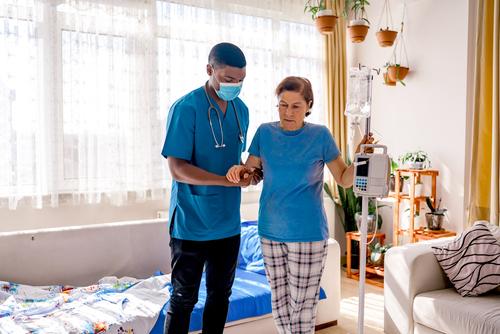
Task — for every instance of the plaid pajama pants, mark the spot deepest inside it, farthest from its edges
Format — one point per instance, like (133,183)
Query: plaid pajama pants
(294,272)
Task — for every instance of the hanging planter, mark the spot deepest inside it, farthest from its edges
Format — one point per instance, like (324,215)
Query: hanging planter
(398,66)
(326,21)
(386,36)
(359,25)
(324,18)
(397,72)
(388,81)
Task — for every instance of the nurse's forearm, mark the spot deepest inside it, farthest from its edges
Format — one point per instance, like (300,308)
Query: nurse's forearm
(183,171)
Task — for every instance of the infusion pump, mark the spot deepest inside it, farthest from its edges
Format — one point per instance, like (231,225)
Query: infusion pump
(371,172)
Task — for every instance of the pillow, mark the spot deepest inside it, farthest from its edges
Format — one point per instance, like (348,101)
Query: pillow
(250,257)
(471,261)
(495,230)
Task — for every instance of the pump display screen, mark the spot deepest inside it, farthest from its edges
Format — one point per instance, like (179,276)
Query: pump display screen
(362,170)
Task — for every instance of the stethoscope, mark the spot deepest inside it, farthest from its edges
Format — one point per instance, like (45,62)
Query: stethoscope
(212,108)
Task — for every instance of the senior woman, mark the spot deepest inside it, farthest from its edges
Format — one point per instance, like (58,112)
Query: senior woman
(292,222)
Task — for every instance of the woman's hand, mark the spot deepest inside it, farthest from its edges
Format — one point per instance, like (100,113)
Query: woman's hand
(366,140)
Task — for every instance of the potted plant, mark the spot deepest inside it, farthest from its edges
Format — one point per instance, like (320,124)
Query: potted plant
(372,208)
(388,81)
(417,220)
(419,188)
(397,73)
(415,160)
(397,67)
(386,36)
(351,215)
(324,18)
(392,180)
(377,254)
(359,24)
(435,218)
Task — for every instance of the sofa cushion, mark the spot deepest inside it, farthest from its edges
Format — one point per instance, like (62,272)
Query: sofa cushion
(471,261)
(448,312)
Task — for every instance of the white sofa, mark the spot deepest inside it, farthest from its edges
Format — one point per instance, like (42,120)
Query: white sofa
(420,299)
(81,255)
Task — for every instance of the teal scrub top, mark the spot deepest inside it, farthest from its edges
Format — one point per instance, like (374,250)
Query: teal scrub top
(203,213)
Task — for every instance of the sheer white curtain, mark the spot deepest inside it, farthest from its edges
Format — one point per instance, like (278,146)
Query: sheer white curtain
(87,85)
(278,40)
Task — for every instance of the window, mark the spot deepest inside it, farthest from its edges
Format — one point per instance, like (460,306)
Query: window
(88,85)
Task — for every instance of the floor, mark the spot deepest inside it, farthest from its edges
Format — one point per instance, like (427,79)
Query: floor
(374,309)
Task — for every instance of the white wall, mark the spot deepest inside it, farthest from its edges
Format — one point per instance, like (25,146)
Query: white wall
(430,112)
(26,218)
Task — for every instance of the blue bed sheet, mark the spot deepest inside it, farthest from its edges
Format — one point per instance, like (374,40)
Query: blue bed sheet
(251,293)
(251,297)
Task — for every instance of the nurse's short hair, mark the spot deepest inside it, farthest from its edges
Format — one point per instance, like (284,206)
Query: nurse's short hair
(300,85)
(227,54)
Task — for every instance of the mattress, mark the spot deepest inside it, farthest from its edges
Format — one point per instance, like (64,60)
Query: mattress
(251,297)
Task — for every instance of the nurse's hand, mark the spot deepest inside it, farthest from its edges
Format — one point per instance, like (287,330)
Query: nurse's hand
(239,174)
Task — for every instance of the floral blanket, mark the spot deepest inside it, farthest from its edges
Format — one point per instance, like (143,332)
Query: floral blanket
(113,305)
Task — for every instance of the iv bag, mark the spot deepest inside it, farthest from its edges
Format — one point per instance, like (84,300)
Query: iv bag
(359,94)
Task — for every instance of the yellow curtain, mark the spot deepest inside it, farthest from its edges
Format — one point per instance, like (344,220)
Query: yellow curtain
(484,194)
(336,79)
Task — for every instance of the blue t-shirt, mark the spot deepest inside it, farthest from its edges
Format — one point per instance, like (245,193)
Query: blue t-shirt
(205,212)
(291,203)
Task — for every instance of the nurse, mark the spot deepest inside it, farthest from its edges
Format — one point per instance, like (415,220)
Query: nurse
(206,134)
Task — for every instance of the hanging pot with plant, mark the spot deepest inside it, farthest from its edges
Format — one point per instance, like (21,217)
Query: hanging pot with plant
(359,24)
(398,66)
(397,72)
(324,18)
(386,36)
(388,81)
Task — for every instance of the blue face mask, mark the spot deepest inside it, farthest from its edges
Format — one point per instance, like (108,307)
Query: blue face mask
(229,91)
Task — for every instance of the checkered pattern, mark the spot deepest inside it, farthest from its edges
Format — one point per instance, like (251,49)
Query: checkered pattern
(294,272)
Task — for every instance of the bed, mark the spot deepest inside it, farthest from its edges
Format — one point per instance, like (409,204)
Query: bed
(101,259)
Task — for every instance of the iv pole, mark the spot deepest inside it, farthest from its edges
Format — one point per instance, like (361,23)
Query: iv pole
(364,235)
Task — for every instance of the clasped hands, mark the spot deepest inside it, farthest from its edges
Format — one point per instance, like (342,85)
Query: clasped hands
(240,174)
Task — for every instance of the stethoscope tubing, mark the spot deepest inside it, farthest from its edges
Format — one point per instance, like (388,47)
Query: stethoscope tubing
(211,108)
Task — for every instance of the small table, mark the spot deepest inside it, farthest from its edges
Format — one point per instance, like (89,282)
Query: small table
(370,270)
(425,234)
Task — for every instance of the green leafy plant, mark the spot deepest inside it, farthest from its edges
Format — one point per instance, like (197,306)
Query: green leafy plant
(379,248)
(394,166)
(415,157)
(351,205)
(377,252)
(357,7)
(314,6)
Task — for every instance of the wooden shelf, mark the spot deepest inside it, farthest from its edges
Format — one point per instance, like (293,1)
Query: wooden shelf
(406,196)
(415,176)
(371,271)
(375,270)
(408,172)
(373,279)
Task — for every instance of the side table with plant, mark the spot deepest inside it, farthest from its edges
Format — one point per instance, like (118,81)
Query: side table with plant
(350,215)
